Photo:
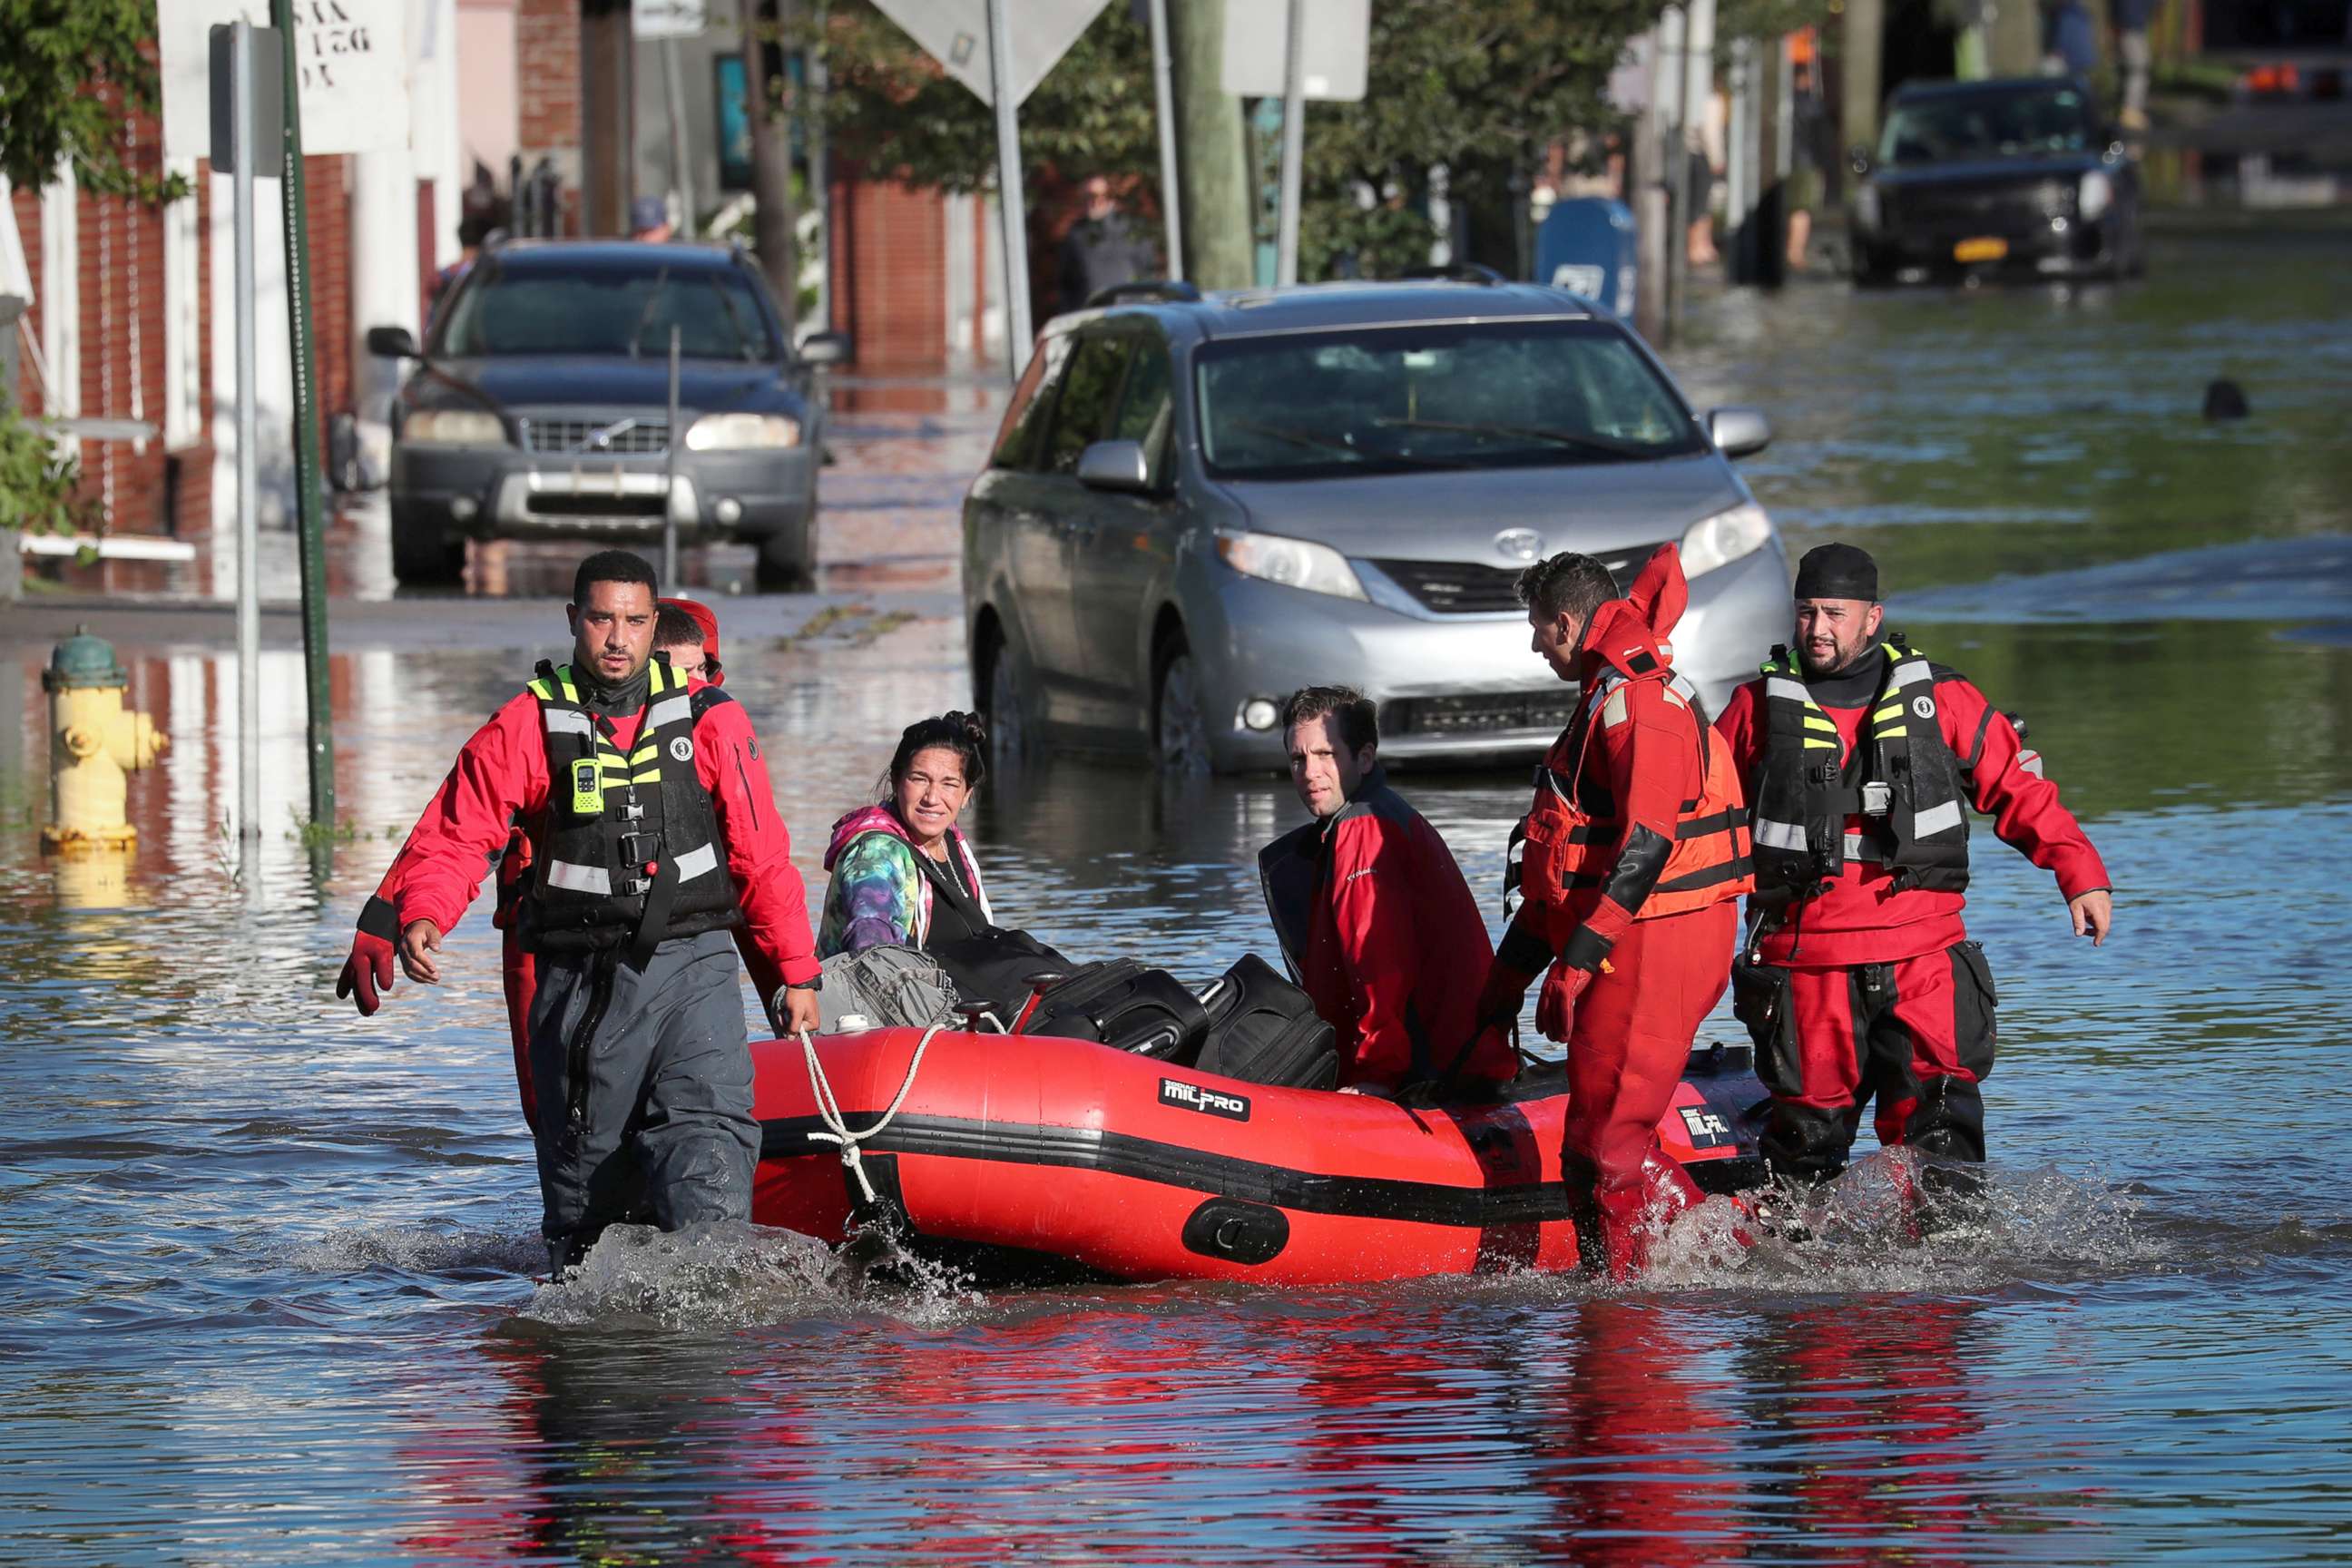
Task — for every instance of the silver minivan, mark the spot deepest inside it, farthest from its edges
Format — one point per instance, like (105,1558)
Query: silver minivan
(1199,503)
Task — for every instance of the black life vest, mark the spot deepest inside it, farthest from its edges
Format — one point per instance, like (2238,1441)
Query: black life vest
(1807,788)
(631,853)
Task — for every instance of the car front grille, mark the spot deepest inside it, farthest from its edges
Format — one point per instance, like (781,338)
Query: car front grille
(597,438)
(1984,207)
(1465,589)
(1479,713)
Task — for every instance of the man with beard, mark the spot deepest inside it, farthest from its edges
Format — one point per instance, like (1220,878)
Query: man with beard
(1857,979)
(653,831)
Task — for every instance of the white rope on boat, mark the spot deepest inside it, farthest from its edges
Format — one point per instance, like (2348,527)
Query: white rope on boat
(828,1107)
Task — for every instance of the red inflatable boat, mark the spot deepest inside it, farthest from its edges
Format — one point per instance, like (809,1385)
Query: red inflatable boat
(1022,1156)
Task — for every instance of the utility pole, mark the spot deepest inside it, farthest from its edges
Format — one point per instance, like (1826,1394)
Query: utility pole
(1651,213)
(608,96)
(775,233)
(2014,36)
(1212,165)
(1865,26)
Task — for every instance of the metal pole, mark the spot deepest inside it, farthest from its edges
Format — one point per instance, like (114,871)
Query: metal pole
(1678,180)
(248,530)
(1011,205)
(308,505)
(669,475)
(1163,90)
(820,177)
(1293,142)
(681,171)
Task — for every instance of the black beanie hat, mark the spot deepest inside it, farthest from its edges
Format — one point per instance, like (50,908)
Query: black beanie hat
(1837,572)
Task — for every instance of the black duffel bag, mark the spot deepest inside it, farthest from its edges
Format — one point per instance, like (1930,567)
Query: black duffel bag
(999,967)
(1126,1006)
(1263,1029)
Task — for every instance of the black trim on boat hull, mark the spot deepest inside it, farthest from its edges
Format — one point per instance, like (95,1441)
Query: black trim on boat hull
(1216,1175)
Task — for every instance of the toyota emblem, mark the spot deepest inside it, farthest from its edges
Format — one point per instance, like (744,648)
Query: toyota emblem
(1519,544)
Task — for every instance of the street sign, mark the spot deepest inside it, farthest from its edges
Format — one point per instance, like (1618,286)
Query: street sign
(353,56)
(955,33)
(1337,52)
(266,111)
(669,18)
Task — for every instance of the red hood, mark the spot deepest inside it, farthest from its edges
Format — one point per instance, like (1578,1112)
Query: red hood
(1633,633)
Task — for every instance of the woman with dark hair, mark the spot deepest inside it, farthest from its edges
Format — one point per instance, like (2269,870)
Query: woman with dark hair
(902,871)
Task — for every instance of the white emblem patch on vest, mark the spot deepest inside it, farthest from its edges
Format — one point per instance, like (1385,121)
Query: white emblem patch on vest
(682,748)
(1924,706)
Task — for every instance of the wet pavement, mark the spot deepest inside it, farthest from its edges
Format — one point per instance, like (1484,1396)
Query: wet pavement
(265,1295)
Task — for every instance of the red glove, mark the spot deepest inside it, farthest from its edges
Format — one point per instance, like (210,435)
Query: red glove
(1556,1008)
(366,972)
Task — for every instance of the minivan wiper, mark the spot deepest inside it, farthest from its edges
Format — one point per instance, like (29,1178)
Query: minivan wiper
(1347,449)
(1524,432)
(1300,438)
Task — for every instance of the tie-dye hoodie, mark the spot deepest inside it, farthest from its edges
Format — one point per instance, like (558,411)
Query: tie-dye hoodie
(878,891)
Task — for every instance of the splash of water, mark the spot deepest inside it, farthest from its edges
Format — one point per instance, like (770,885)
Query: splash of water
(741,1276)
(1884,1225)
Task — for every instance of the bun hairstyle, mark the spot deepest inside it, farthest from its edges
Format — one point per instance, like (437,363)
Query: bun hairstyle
(960,732)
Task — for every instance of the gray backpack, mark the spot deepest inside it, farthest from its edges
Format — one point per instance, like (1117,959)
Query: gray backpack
(887,985)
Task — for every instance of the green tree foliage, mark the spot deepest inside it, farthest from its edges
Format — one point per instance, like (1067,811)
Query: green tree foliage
(893,109)
(71,72)
(36,483)
(1481,86)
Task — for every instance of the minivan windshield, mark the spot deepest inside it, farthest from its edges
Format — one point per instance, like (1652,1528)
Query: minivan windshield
(1488,394)
(2010,122)
(608,310)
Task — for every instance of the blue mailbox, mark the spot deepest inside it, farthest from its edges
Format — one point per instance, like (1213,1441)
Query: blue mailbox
(1586,245)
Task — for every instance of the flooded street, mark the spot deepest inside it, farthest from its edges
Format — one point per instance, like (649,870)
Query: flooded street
(265,1295)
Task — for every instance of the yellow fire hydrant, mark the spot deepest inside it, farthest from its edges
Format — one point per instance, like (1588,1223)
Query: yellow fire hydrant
(94,745)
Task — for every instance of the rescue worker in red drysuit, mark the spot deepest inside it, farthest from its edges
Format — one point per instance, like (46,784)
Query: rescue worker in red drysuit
(1633,857)
(1373,914)
(687,633)
(653,831)
(1860,758)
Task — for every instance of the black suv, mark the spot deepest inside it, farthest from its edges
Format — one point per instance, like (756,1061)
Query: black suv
(539,408)
(2019,177)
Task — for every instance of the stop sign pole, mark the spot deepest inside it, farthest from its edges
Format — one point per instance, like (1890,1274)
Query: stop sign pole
(1011,202)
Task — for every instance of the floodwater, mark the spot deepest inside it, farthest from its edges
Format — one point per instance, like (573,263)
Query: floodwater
(266,1293)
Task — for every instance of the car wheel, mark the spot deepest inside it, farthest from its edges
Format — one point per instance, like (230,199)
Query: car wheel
(1178,727)
(1869,272)
(423,554)
(784,565)
(1003,694)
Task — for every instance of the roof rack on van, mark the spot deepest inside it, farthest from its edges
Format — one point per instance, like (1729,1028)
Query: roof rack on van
(1165,291)
(1458,272)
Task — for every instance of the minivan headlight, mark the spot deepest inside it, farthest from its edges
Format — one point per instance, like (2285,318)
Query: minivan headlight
(1866,205)
(734,432)
(1716,540)
(2096,195)
(1293,562)
(454,427)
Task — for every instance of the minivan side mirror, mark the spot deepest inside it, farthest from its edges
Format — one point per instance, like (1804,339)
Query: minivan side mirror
(1115,466)
(392,342)
(1740,432)
(824,348)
